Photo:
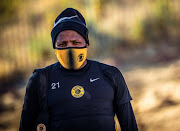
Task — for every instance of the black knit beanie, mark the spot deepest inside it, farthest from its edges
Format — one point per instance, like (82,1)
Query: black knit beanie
(70,19)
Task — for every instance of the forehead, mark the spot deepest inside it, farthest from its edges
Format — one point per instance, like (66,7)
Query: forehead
(69,34)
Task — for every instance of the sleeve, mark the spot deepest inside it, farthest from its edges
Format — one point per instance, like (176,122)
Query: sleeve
(122,105)
(31,106)
(126,117)
(122,94)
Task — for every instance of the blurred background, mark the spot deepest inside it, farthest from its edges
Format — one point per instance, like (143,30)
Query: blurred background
(140,37)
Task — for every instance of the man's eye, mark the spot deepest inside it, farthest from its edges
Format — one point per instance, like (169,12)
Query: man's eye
(76,42)
(61,44)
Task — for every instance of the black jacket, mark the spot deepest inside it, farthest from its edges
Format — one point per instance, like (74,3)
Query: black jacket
(101,93)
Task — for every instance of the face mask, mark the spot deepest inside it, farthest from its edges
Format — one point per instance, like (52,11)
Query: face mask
(71,57)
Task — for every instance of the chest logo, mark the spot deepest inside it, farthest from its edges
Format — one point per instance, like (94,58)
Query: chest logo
(92,80)
(80,57)
(77,91)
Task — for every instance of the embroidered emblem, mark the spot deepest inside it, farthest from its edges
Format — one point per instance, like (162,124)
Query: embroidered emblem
(41,127)
(77,91)
(80,57)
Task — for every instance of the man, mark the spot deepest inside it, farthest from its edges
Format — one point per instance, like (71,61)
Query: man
(81,95)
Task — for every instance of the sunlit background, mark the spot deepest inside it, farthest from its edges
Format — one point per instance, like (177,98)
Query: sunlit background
(140,37)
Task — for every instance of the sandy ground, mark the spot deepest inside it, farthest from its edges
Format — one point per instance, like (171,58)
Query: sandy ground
(155,91)
(156,96)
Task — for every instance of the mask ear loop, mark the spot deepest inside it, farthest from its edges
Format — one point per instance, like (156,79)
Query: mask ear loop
(86,45)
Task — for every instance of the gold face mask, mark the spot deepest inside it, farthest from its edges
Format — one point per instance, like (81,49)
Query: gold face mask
(71,57)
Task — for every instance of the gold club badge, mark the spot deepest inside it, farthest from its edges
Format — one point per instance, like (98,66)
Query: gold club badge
(77,91)
(80,57)
(41,127)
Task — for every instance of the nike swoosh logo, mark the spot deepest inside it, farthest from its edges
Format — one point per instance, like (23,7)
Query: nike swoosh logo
(92,80)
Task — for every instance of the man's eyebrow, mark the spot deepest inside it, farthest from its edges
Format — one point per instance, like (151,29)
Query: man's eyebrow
(76,40)
(63,41)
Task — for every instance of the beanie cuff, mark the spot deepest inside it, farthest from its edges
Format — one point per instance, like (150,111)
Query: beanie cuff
(69,25)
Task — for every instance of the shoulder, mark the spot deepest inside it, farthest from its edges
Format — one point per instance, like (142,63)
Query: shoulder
(109,71)
(48,68)
(37,72)
(105,67)
(40,75)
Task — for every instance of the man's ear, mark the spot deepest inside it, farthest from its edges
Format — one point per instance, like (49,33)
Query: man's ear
(87,45)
